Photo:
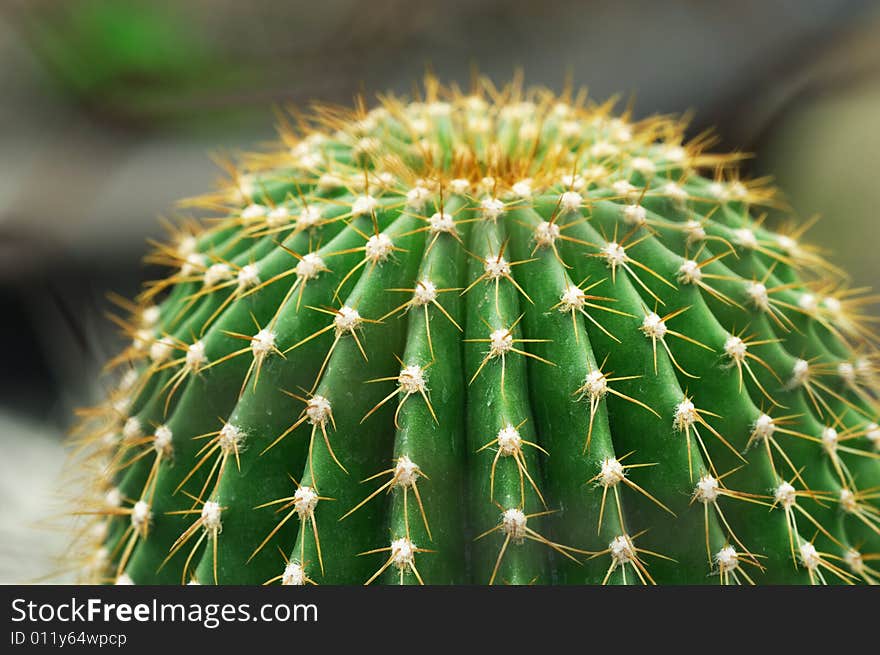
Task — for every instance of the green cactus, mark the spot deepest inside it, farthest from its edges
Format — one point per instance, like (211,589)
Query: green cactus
(494,337)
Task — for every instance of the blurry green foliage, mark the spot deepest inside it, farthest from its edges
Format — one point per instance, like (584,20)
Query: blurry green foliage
(133,61)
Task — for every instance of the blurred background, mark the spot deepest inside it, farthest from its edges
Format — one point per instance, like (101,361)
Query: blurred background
(109,110)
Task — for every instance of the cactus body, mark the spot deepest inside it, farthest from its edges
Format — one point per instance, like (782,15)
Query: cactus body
(502,337)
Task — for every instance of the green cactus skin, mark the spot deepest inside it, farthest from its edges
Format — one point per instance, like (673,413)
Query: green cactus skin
(495,337)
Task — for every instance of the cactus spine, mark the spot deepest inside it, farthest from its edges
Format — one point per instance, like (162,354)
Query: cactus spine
(495,337)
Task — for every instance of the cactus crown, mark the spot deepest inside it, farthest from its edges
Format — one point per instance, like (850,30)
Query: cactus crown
(497,336)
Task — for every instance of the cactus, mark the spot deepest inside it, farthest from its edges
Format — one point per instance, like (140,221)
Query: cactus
(501,336)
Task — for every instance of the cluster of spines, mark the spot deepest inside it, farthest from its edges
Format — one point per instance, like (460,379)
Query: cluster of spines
(559,377)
